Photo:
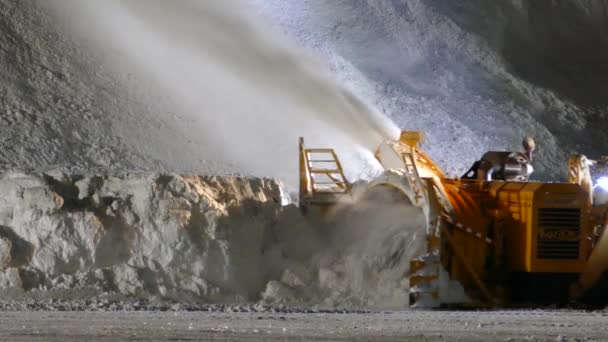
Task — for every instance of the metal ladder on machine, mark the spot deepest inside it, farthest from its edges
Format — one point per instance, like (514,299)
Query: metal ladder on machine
(424,270)
(325,172)
(411,171)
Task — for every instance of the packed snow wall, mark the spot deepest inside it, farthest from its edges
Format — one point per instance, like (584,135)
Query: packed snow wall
(200,238)
(473,75)
(195,239)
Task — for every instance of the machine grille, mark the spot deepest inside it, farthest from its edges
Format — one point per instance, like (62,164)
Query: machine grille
(559,231)
(557,249)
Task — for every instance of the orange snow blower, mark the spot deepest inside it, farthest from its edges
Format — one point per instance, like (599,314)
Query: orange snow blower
(493,236)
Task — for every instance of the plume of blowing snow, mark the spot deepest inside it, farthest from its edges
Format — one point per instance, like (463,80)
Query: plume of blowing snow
(232,79)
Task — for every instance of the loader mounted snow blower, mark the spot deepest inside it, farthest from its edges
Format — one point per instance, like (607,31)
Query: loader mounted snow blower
(493,236)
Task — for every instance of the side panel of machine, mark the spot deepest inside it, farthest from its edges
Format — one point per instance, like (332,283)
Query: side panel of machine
(561,231)
(548,230)
(515,198)
(465,252)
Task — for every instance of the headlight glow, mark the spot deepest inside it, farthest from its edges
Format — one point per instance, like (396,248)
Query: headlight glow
(602,182)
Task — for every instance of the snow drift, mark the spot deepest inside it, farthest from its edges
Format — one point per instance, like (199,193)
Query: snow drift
(199,238)
(189,86)
(473,75)
(194,239)
(360,256)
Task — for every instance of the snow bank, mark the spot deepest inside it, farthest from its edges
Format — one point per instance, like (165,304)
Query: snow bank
(184,238)
(360,255)
(196,239)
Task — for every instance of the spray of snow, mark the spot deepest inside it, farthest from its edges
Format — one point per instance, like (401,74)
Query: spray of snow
(358,256)
(233,80)
(474,75)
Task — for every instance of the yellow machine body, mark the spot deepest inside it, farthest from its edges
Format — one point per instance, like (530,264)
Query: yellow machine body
(545,225)
(515,227)
(548,229)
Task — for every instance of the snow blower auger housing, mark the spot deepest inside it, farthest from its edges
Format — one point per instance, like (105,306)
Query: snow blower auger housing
(493,237)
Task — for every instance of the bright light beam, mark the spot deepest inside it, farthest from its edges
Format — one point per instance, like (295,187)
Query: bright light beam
(602,182)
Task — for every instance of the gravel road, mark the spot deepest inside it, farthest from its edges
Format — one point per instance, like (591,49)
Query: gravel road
(280,326)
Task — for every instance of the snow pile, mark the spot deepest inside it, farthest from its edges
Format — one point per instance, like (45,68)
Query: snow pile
(166,86)
(181,238)
(474,75)
(195,239)
(359,257)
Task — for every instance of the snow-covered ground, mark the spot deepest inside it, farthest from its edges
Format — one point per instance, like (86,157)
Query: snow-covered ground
(278,325)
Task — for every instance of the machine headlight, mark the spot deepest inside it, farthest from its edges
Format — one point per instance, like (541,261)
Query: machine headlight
(602,182)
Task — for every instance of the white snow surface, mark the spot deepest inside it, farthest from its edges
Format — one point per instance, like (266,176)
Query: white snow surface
(191,239)
(189,86)
(209,87)
(474,75)
(200,239)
